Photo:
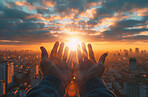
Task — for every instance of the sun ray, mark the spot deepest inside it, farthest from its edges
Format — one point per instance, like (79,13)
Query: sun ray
(72,44)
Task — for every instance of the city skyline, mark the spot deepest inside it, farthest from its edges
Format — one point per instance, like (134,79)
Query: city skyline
(125,73)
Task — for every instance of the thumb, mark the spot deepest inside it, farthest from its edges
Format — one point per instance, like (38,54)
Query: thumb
(44,54)
(102,58)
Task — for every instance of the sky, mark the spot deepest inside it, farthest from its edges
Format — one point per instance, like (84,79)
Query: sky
(107,24)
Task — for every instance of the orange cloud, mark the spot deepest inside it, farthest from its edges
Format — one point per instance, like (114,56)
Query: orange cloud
(144,33)
(94,4)
(141,12)
(19,3)
(89,13)
(48,3)
(28,5)
(108,21)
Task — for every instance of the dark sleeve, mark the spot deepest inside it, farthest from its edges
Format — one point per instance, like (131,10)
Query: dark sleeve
(49,86)
(95,87)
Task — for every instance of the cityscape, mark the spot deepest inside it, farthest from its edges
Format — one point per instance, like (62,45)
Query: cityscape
(125,74)
(96,41)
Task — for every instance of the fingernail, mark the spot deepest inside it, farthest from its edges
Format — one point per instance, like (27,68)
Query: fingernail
(62,43)
(106,54)
(41,47)
(89,44)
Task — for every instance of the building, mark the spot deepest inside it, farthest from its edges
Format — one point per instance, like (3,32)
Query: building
(127,75)
(35,80)
(132,89)
(144,51)
(34,70)
(6,73)
(22,91)
(137,50)
(130,50)
(19,74)
(143,90)
(126,57)
(2,87)
(132,64)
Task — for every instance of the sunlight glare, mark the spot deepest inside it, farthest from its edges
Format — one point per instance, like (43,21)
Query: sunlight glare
(72,44)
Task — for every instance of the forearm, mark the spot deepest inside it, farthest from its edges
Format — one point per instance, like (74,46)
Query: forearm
(49,86)
(96,88)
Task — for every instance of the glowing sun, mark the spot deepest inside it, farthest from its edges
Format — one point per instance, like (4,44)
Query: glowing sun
(72,44)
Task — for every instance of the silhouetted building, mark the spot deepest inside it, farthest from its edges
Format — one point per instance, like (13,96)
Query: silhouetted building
(119,55)
(126,55)
(35,80)
(125,51)
(7,72)
(144,51)
(34,70)
(132,64)
(130,50)
(137,50)
(132,89)
(2,87)
(120,51)
(22,91)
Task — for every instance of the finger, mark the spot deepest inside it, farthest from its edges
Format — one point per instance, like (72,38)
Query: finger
(80,57)
(102,58)
(85,54)
(60,52)
(70,60)
(74,59)
(91,53)
(54,50)
(65,54)
(101,65)
(44,54)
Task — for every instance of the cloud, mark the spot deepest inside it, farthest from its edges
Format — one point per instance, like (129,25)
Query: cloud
(34,21)
(138,37)
(123,28)
(8,13)
(104,12)
(47,3)
(125,5)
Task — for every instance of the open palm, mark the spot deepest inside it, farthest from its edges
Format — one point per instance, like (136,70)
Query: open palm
(56,65)
(88,67)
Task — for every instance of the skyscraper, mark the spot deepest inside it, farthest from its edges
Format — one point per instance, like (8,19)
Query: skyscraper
(133,89)
(34,70)
(6,72)
(2,87)
(22,91)
(132,64)
(144,51)
(130,50)
(137,50)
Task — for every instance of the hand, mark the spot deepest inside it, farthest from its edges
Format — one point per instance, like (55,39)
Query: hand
(56,65)
(88,67)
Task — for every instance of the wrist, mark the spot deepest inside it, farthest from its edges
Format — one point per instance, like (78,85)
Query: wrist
(55,82)
(91,84)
